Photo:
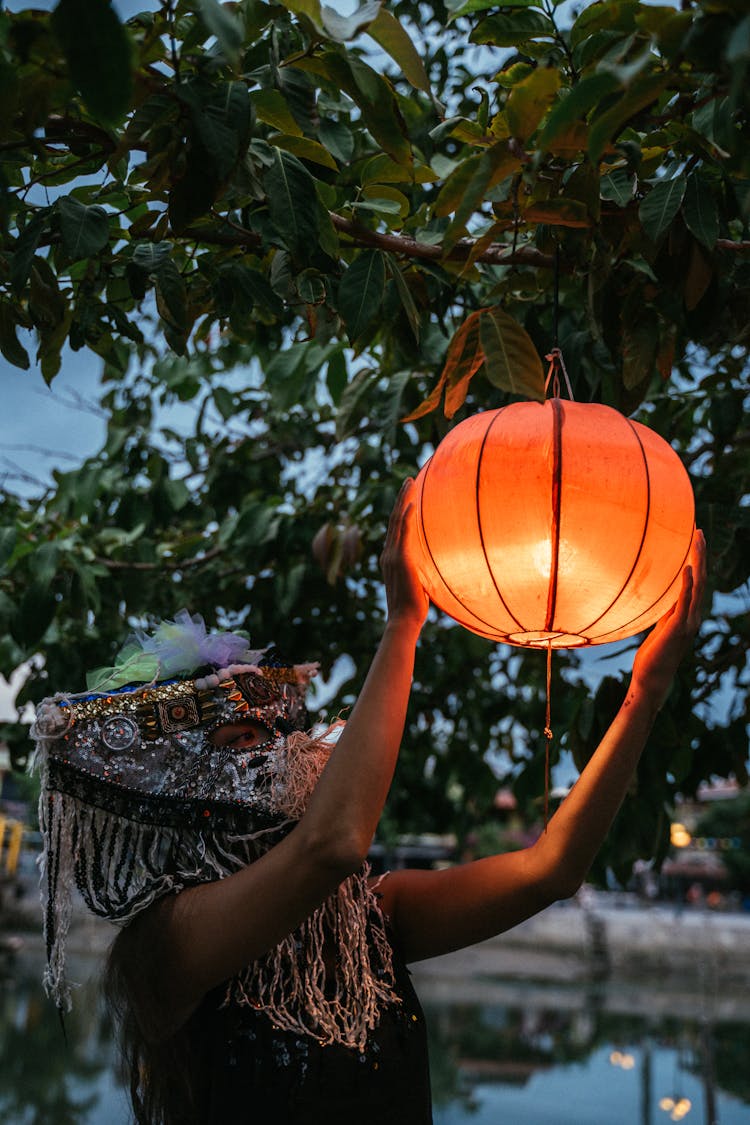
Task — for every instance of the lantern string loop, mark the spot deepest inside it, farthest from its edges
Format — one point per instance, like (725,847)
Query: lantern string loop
(548,736)
(556,365)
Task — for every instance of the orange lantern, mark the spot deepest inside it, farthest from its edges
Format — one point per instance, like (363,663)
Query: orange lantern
(554,524)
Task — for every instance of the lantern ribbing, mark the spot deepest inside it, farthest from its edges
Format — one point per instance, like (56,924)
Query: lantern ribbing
(556,501)
(557,523)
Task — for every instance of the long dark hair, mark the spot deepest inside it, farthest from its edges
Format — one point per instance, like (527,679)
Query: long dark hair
(167,1077)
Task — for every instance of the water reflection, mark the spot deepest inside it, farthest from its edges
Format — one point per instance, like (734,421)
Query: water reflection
(516,1053)
(584,1065)
(44,1079)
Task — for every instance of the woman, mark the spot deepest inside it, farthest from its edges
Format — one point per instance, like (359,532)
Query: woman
(272,986)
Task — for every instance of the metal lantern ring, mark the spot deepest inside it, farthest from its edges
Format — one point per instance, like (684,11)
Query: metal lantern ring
(554,525)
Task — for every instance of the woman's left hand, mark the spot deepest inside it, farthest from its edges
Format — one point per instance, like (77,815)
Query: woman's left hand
(658,657)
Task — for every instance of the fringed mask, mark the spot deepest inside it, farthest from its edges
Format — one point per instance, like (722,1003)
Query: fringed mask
(141,798)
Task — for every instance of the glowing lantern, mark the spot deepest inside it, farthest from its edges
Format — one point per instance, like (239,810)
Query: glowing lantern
(557,523)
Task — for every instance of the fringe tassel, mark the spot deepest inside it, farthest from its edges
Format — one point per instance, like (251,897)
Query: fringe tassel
(326,979)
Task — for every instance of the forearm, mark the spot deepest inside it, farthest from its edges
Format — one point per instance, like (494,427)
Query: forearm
(577,830)
(436,912)
(346,804)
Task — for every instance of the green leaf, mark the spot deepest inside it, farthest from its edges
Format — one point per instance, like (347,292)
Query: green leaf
(10,346)
(454,188)
(640,342)
(44,562)
(393,37)
(404,292)
(311,287)
(530,99)
(341,28)
(8,539)
(468,7)
(375,98)
(271,107)
(24,250)
(607,125)
(513,30)
(338,138)
(47,304)
(698,278)
(177,493)
(84,230)
(308,8)
(97,50)
(247,288)
(355,392)
(494,165)
(574,105)
(171,301)
(222,126)
(225,26)
(291,192)
(511,360)
(35,614)
(336,376)
(306,149)
(225,402)
(361,292)
(700,212)
(9,92)
(618,186)
(611,15)
(660,206)
(194,194)
(149,256)
(380,204)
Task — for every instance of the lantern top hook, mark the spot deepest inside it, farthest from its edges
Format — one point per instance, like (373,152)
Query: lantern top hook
(556,365)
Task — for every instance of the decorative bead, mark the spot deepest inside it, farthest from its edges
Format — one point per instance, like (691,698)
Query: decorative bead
(119,733)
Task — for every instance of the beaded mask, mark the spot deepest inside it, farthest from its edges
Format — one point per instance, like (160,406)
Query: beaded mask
(139,801)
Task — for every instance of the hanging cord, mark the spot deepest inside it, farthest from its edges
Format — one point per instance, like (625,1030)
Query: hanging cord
(556,301)
(548,736)
(555,356)
(556,365)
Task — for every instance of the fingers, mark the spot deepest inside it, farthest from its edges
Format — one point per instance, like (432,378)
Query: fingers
(397,521)
(687,609)
(697,566)
(397,524)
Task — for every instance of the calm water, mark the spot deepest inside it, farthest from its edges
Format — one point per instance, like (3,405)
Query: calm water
(540,1055)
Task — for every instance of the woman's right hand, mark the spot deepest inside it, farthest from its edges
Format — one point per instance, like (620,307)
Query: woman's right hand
(665,646)
(406,596)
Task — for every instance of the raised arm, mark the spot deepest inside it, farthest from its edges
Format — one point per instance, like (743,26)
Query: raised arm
(435,912)
(206,934)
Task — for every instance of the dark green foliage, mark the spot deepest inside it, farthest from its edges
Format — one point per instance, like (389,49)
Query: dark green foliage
(371,237)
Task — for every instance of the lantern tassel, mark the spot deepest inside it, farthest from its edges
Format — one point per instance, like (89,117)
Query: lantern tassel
(548,736)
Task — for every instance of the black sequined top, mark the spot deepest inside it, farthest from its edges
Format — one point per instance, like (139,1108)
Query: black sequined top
(260,1075)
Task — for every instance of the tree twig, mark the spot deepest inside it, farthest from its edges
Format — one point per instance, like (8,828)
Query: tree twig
(167,564)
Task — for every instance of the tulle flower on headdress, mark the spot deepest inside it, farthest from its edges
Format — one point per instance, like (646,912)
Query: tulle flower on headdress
(176,648)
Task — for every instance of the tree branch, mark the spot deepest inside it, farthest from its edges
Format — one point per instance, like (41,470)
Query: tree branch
(167,564)
(496,254)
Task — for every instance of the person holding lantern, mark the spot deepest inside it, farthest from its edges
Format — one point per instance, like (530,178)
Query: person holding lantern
(259,973)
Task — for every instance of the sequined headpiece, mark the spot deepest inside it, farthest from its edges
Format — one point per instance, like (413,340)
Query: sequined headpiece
(138,801)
